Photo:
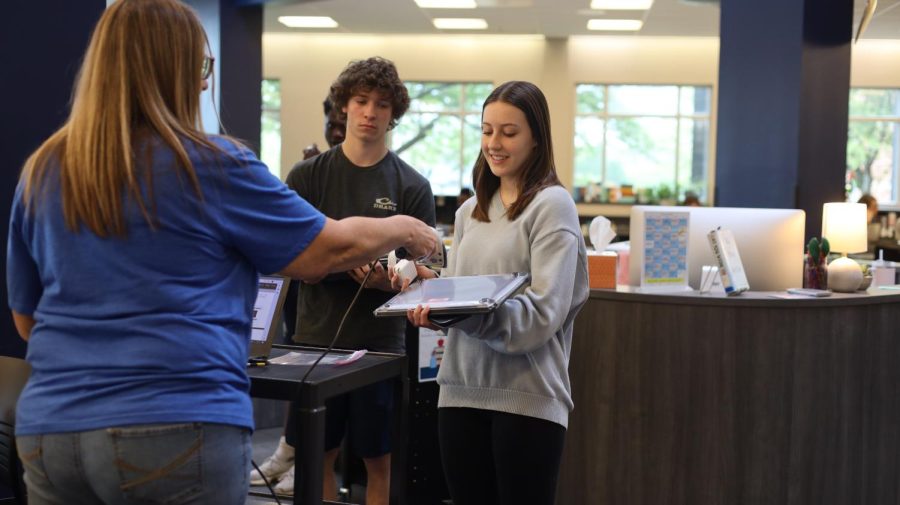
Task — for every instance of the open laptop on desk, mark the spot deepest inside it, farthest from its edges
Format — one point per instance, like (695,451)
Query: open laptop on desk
(267,314)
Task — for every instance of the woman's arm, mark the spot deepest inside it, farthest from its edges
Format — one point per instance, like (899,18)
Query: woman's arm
(527,321)
(558,269)
(24,324)
(354,241)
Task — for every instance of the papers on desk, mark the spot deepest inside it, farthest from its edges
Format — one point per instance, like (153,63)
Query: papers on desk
(791,296)
(788,296)
(310,357)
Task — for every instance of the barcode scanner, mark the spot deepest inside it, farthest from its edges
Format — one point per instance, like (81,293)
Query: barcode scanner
(437,259)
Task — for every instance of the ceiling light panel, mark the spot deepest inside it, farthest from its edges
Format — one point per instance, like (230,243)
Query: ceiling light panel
(615,25)
(307,21)
(460,23)
(446,4)
(621,5)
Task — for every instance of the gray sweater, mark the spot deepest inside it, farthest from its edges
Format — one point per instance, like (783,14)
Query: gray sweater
(516,358)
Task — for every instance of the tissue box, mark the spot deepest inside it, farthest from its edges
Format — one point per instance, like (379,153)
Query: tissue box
(602,270)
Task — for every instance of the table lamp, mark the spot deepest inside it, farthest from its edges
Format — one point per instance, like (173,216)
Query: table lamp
(844,225)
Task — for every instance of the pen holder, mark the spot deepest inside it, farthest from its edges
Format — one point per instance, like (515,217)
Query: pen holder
(815,266)
(815,276)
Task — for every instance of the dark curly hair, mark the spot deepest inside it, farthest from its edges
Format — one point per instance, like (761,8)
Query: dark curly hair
(374,73)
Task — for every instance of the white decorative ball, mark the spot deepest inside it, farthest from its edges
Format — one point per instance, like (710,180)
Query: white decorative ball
(844,275)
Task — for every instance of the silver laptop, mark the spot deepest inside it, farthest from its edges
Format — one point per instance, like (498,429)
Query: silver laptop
(476,294)
(267,309)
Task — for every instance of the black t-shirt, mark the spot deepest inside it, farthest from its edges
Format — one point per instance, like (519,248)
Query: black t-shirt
(338,188)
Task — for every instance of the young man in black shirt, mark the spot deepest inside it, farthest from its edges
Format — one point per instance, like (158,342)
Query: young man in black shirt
(360,177)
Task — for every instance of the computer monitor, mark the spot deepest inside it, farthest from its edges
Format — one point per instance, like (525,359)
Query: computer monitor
(770,243)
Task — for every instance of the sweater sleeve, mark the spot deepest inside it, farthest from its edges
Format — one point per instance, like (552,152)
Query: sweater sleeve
(528,320)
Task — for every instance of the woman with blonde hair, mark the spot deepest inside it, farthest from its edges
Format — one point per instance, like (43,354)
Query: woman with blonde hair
(134,248)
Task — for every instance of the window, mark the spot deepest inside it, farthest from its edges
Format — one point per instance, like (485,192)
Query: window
(873,145)
(440,134)
(270,131)
(641,143)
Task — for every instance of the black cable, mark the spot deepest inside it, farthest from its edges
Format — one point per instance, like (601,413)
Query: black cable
(341,325)
(266,481)
(322,356)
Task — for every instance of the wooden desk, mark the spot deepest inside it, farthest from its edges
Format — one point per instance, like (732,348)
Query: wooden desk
(696,400)
(282,382)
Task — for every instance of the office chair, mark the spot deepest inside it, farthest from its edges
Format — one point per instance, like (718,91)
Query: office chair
(14,373)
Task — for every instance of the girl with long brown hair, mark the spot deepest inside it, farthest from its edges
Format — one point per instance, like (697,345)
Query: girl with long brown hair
(504,384)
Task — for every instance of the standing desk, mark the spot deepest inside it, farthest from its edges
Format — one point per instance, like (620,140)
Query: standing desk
(282,382)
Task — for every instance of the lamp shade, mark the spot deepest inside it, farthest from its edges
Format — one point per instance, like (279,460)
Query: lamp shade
(845,227)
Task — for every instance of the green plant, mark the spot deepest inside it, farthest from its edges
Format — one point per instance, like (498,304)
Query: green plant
(817,251)
(647,195)
(664,192)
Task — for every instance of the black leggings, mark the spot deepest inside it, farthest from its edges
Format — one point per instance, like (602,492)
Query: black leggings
(494,458)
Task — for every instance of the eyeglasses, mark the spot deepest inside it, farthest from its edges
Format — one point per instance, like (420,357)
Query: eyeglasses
(207,67)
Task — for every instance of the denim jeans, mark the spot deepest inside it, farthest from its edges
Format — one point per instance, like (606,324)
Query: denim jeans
(172,464)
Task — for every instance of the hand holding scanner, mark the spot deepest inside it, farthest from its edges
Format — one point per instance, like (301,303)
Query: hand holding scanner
(437,259)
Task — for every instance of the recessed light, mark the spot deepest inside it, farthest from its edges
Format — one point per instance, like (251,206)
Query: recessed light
(621,5)
(617,25)
(307,21)
(460,23)
(446,4)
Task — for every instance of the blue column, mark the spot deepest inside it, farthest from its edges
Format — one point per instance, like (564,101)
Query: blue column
(784,80)
(241,71)
(41,45)
(235,38)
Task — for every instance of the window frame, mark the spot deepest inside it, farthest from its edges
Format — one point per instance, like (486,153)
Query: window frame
(894,119)
(605,116)
(274,168)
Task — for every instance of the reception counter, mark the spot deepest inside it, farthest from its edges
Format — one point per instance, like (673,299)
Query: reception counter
(695,399)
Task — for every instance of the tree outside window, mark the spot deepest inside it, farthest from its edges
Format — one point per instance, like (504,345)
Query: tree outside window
(440,135)
(872,145)
(641,143)
(270,131)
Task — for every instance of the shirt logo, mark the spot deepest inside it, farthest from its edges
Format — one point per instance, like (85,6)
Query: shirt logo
(385,203)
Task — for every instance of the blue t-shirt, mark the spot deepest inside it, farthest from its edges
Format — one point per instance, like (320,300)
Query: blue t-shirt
(153,327)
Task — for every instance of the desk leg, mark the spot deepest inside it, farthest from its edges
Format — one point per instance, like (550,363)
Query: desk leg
(398,440)
(309,455)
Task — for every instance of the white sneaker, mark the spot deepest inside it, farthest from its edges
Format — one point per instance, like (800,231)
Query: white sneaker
(275,466)
(285,485)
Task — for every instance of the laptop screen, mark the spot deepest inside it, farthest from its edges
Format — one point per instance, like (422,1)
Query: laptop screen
(267,307)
